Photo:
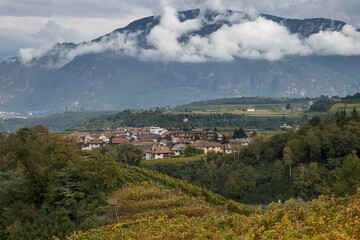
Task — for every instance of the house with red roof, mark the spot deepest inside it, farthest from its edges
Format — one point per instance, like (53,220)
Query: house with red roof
(158,152)
(119,140)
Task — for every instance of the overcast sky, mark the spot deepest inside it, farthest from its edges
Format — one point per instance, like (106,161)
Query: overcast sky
(38,23)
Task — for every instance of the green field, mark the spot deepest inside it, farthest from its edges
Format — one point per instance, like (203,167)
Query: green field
(243,103)
(231,107)
(345,106)
(174,160)
(264,107)
(255,113)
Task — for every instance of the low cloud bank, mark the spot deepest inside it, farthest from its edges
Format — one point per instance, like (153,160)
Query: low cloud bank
(257,38)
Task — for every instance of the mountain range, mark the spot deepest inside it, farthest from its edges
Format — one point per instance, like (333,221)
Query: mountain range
(141,66)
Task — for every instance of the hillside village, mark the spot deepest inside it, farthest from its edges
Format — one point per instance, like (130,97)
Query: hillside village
(159,143)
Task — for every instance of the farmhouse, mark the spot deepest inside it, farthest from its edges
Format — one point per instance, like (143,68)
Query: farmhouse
(93,144)
(207,146)
(158,152)
(178,149)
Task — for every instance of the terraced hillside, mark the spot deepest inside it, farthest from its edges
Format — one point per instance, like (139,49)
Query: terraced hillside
(152,201)
(323,218)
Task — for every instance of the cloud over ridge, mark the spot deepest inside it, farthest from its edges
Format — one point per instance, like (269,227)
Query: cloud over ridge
(238,37)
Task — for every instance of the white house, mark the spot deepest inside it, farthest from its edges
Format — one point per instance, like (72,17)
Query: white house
(179,148)
(92,144)
(156,130)
(104,138)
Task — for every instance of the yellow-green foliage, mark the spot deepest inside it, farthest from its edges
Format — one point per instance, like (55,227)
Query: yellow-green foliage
(347,106)
(149,200)
(323,218)
(131,174)
(174,160)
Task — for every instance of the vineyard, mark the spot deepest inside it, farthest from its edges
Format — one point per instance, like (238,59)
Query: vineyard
(323,218)
(136,175)
(344,106)
(148,200)
(151,205)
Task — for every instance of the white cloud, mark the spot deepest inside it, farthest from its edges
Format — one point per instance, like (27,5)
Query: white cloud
(29,54)
(164,37)
(216,5)
(256,39)
(93,18)
(53,32)
(21,19)
(346,42)
(32,32)
(259,39)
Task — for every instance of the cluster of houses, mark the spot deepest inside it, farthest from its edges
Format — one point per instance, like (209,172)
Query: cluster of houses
(8,115)
(158,143)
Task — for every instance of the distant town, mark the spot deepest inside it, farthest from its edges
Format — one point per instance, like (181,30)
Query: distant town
(9,115)
(159,143)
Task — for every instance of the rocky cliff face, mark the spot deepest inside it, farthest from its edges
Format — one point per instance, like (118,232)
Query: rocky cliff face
(112,73)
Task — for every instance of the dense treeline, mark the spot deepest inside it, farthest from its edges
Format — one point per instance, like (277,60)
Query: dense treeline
(323,104)
(47,186)
(161,118)
(320,158)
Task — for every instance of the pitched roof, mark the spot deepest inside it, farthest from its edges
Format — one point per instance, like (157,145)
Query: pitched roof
(143,143)
(159,150)
(119,140)
(179,147)
(80,134)
(95,135)
(147,137)
(95,141)
(108,134)
(163,134)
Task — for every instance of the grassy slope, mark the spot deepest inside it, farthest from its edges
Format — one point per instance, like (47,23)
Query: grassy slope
(138,175)
(145,194)
(149,200)
(241,103)
(166,208)
(180,160)
(270,113)
(344,106)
